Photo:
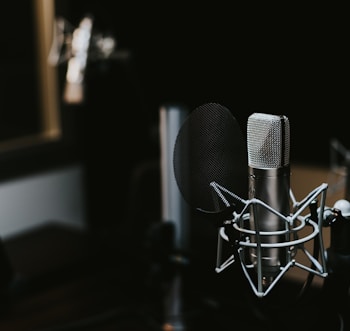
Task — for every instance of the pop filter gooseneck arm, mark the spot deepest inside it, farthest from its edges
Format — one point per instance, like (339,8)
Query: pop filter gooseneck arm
(210,148)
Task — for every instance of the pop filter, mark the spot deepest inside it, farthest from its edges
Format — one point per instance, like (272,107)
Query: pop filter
(210,147)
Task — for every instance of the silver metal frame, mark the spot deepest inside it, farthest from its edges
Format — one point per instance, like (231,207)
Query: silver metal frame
(294,224)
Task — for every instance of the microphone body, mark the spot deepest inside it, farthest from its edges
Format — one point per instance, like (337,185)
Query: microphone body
(269,181)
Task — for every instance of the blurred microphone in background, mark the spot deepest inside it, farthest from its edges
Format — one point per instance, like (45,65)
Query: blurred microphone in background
(174,213)
(74,87)
(77,46)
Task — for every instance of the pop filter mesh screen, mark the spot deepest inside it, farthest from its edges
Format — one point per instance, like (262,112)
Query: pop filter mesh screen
(210,147)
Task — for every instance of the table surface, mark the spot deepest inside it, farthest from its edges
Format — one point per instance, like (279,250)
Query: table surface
(62,281)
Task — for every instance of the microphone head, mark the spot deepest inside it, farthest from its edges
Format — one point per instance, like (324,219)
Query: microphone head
(268,141)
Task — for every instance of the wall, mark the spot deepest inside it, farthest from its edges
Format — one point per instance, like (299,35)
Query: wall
(51,196)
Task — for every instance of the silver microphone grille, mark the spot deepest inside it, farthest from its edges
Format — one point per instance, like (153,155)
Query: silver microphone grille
(268,140)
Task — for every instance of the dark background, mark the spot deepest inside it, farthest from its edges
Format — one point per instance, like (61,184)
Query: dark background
(248,58)
(255,58)
(291,61)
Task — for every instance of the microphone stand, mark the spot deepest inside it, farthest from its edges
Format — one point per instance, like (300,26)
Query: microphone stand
(337,284)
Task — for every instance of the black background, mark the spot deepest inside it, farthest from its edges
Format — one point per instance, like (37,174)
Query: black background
(252,58)
(260,58)
(289,61)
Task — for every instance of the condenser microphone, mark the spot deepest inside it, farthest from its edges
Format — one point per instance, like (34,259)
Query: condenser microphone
(268,141)
(254,209)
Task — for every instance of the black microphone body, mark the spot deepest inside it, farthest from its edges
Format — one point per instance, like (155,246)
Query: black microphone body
(269,181)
